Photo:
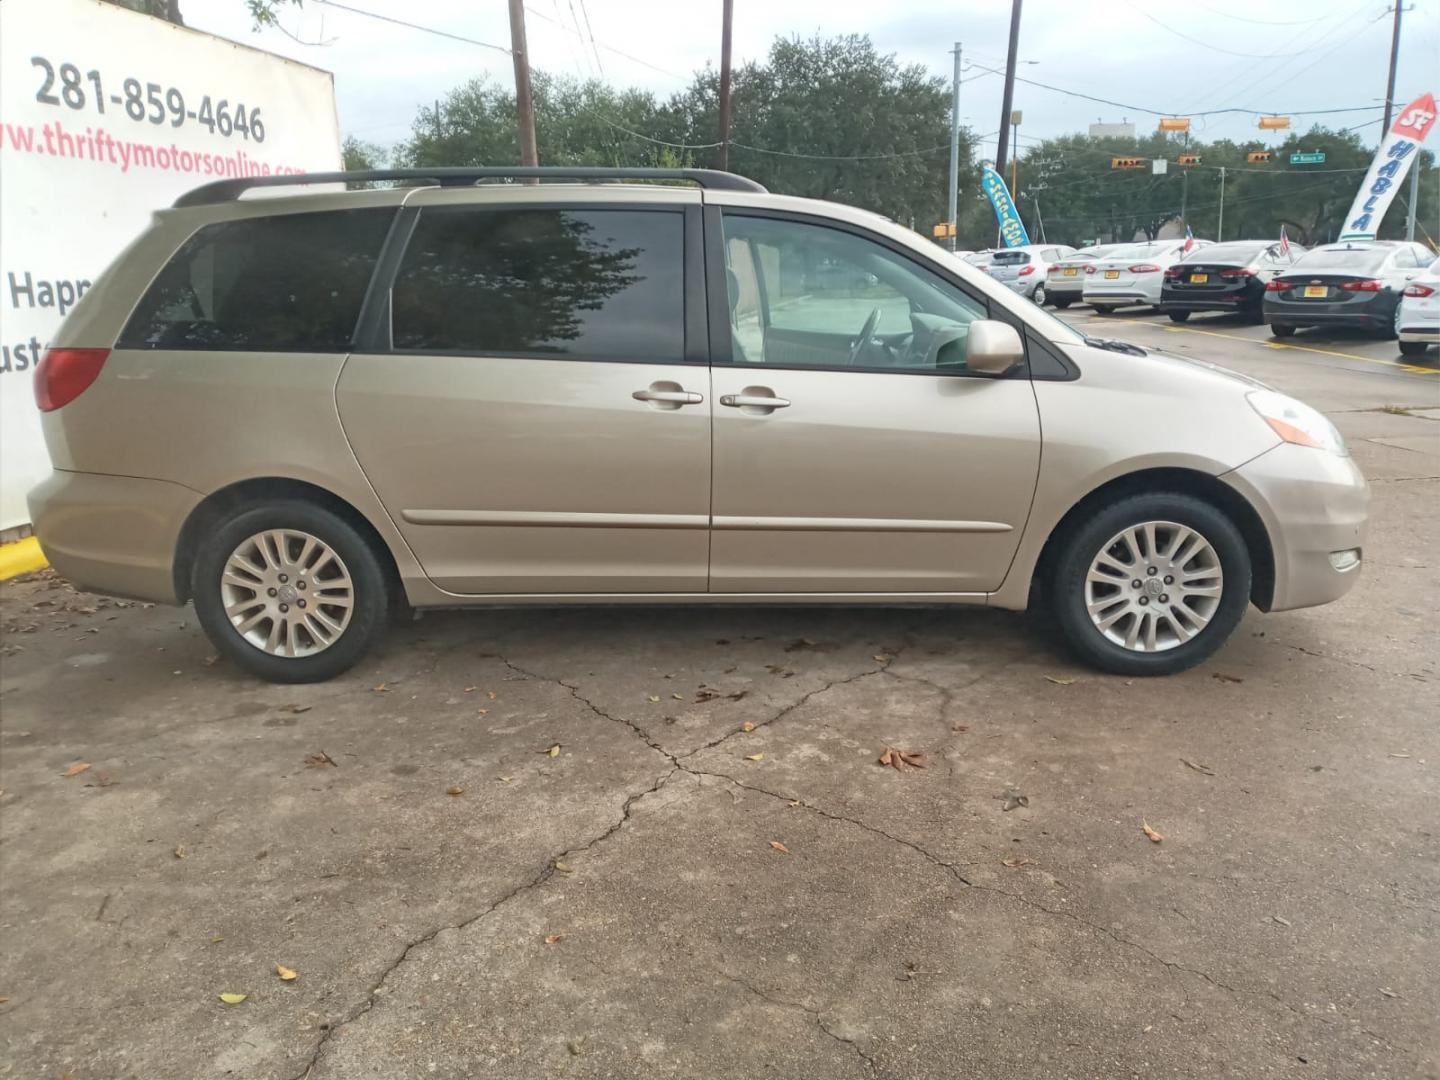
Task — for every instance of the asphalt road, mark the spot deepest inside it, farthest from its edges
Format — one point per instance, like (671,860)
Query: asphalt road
(547,844)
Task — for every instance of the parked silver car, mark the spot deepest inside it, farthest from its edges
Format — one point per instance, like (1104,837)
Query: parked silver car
(301,411)
(1026,269)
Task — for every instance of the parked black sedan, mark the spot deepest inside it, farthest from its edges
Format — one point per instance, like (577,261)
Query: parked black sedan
(1357,283)
(1225,277)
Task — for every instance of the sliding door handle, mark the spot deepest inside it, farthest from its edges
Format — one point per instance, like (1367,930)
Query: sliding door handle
(667,394)
(758,401)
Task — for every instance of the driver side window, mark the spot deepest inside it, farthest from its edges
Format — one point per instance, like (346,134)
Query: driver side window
(805,295)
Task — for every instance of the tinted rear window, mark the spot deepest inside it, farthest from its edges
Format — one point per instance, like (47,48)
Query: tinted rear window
(592,284)
(1010,258)
(1221,253)
(291,283)
(1362,260)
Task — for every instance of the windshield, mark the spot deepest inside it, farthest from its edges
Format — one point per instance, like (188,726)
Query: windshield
(1364,260)
(1139,251)
(1236,253)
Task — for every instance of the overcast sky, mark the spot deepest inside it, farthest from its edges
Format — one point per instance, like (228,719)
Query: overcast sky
(1185,58)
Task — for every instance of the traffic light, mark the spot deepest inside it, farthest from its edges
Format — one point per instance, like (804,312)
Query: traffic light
(1189,159)
(1258,157)
(943,230)
(1127,163)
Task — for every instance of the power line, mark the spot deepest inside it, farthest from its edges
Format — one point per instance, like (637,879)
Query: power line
(1258,22)
(607,48)
(413,26)
(586,12)
(1205,44)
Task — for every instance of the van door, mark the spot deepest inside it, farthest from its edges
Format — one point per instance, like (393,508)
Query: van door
(533,405)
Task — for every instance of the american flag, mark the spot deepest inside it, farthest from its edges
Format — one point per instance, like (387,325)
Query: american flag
(1189,239)
(1284,242)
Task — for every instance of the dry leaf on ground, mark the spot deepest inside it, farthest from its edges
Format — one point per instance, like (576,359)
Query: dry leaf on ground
(898,759)
(1017,860)
(564,867)
(76,769)
(1059,681)
(491,694)
(381,689)
(320,760)
(233,999)
(778,846)
(1198,767)
(747,726)
(755,757)
(1154,836)
(553,939)
(1222,677)
(180,852)
(457,790)
(296,708)
(1013,799)
(286,975)
(553,750)
(800,643)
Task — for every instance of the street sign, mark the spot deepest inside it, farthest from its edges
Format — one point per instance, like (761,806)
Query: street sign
(1316,157)
(1158,166)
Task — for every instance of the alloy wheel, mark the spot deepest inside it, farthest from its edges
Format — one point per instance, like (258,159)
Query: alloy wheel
(1039,295)
(1154,586)
(287,593)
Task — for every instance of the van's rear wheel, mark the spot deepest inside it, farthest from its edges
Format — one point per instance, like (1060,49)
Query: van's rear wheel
(1152,584)
(290,592)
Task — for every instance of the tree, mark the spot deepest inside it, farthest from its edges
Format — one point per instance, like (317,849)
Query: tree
(169,10)
(360,155)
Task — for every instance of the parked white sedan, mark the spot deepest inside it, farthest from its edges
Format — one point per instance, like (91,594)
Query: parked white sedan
(1065,280)
(1417,320)
(1133,273)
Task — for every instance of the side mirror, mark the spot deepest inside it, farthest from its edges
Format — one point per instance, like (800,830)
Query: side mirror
(993,348)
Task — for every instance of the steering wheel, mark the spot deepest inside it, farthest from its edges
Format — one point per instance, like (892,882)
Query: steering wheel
(866,333)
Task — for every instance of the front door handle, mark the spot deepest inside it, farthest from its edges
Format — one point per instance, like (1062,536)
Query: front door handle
(665,394)
(755,400)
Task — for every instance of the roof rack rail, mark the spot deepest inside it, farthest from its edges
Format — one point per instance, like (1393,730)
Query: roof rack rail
(459,176)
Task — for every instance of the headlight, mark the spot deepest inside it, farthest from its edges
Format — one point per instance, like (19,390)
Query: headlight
(1296,422)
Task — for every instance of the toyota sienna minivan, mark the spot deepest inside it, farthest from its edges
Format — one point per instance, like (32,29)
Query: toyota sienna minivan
(301,411)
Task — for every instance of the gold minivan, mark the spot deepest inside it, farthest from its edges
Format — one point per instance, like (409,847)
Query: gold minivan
(303,410)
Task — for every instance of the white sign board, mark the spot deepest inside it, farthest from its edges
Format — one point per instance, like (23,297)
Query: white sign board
(106,116)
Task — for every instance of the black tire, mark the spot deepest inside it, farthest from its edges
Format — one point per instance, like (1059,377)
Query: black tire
(1178,316)
(1104,309)
(1413,348)
(1280,330)
(1086,541)
(370,591)
(1062,303)
(1039,296)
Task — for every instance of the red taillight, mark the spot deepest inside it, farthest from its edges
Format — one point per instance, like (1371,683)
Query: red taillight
(1172,274)
(1144,268)
(1237,272)
(1030,269)
(65,374)
(1276,285)
(1419,290)
(1089,269)
(1369,285)
(1053,270)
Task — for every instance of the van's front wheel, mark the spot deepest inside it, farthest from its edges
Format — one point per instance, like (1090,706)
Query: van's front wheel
(1151,585)
(290,592)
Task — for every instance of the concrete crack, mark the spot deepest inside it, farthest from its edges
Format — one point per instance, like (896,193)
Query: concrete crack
(535,881)
(1351,663)
(815,1014)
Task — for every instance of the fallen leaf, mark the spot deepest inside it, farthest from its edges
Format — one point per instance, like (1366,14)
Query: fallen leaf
(776,669)
(706,694)
(1013,799)
(794,803)
(747,726)
(755,757)
(504,779)
(180,852)
(959,727)
(233,999)
(491,694)
(576,1046)
(554,750)
(898,759)
(564,867)
(678,697)
(1220,676)
(296,708)
(320,760)
(1281,920)
(882,658)
(471,689)
(652,698)
(3,1000)
(76,769)
(1392,755)
(737,695)
(554,939)
(778,846)
(286,975)
(482,712)
(800,643)
(1384,990)
(1197,767)
(1058,681)
(455,791)
(1154,836)
(216,940)
(210,660)
(381,689)
(1016,860)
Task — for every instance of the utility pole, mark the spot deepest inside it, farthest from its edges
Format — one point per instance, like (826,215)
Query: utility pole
(727,17)
(1184,181)
(1009,97)
(1039,218)
(1415,167)
(1220,226)
(524,104)
(952,202)
(1015,155)
(1394,55)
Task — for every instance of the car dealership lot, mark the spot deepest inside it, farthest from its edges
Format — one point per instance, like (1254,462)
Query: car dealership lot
(618,906)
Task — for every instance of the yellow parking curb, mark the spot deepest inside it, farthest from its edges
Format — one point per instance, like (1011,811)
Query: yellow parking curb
(21,557)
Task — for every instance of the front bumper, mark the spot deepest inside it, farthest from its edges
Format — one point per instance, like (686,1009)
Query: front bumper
(1314,506)
(112,534)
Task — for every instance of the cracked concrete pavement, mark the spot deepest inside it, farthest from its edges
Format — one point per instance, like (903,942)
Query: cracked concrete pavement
(620,909)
